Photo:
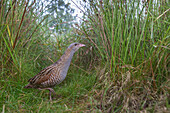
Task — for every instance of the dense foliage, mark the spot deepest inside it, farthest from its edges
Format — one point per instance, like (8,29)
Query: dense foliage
(124,67)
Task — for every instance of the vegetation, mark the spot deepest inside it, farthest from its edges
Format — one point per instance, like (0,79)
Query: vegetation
(124,67)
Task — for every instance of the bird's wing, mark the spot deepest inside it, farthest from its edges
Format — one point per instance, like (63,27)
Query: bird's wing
(42,76)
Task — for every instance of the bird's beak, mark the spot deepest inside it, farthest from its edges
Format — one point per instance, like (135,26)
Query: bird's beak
(81,45)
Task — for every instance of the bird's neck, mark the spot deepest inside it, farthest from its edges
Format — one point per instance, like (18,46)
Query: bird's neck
(67,56)
(65,61)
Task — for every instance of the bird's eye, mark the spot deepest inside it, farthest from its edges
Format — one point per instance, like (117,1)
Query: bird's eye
(75,44)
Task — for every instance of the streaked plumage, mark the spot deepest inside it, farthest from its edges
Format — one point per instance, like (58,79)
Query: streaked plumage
(55,73)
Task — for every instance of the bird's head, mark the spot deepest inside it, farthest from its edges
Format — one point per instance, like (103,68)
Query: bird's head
(74,47)
(68,54)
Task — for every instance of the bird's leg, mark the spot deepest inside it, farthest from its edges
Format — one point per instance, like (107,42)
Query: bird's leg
(47,89)
(51,90)
(50,94)
(54,94)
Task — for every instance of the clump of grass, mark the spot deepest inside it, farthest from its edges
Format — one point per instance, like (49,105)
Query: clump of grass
(19,27)
(133,50)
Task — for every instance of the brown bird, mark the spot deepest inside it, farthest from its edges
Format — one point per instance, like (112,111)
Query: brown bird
(55,73)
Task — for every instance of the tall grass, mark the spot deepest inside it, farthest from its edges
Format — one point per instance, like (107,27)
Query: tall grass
(18,29)
(124,67)
(132,38)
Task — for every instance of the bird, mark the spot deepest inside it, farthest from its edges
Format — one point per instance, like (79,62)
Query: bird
(54,74)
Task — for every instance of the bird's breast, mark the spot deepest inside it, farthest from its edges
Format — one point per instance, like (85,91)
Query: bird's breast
(58,74)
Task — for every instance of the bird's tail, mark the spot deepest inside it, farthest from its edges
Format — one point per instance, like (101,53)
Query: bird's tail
(28,86)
